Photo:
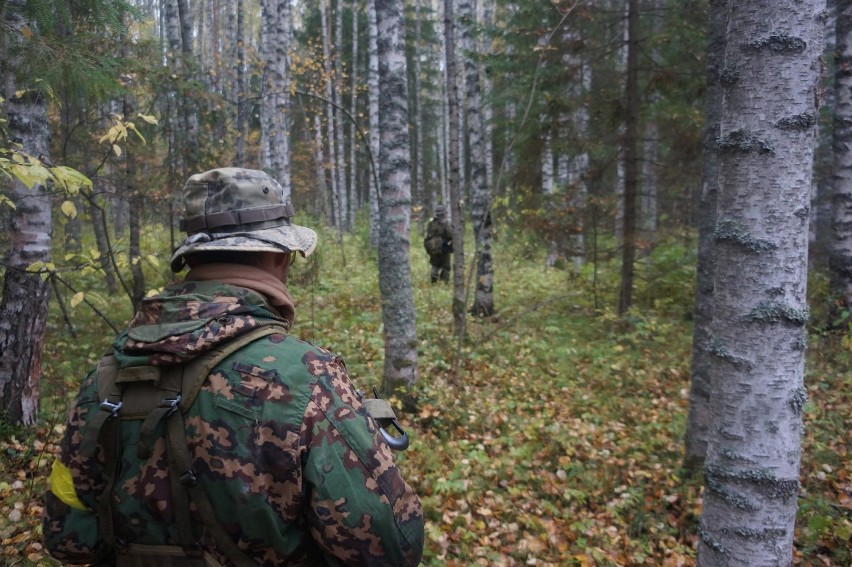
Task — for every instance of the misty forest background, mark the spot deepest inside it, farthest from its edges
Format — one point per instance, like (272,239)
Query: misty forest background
(548,387)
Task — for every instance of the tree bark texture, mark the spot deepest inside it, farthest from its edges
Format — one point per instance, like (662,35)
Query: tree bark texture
(480,193)
(456,210)
(23,310)
(275,101)
(398,314)
(840,257)
(373,106)
(766,144)
(698,418)
(631,160)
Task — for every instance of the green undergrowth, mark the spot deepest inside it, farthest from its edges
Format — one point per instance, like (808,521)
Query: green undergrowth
(559,442)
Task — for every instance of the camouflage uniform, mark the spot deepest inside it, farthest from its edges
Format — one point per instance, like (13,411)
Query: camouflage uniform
(277,436)
(439,228)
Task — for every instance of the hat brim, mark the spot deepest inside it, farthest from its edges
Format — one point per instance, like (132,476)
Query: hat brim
(289,238)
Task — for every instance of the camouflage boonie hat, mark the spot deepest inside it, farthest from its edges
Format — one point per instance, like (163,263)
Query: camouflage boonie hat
(238,209)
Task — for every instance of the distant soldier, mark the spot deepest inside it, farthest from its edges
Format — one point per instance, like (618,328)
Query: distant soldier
(439,245)
(210,436)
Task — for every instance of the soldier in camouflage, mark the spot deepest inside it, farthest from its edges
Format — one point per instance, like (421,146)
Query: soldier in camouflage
(438,243)
(296,471)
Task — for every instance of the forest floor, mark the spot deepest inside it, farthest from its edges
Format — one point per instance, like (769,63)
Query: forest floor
(559,442)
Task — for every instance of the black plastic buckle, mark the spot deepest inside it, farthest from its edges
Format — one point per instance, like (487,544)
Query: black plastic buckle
(188,479)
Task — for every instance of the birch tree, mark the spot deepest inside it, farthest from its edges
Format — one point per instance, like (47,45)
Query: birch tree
(23,310)
(373,109)
(398,314)
(698,419)
(480,193)
(840,256)
(766,144)
(453,170)
(275,100)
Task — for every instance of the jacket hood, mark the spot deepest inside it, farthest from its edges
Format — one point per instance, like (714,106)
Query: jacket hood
(188,319)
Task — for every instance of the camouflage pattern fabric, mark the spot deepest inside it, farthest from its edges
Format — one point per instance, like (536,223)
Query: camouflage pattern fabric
(279,440)
(439,228)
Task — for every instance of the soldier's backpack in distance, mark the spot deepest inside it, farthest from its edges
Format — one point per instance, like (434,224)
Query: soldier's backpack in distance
(433,245)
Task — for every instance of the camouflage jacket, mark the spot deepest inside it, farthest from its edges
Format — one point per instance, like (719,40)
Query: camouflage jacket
(278,439)
(438,230)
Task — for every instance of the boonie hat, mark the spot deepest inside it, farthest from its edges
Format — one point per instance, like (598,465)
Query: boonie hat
(233,208)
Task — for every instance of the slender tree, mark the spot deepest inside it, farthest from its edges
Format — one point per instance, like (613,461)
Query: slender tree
(766,143)
(453,167)
(395,201)
(275,100)
(373,108)
(483,302)
(631,161)
(840,257)
(698,419)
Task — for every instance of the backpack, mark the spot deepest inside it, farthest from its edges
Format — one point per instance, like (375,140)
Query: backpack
(161,395)
(434,244)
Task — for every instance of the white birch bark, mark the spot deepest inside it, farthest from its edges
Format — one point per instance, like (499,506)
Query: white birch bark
(766,144)
(354,141)
(241,86)
(578,162)
(23,309)
(417,101)
(373,106)
(455,200)
(340,163)
(486,46)
(330,125)
(398,316)
(275,102)
(483,302)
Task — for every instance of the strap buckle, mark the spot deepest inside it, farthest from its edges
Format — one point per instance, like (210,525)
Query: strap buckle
(171,404)
(111,407)
(188,478)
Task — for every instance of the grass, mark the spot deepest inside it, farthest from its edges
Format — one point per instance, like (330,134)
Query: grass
(559,443)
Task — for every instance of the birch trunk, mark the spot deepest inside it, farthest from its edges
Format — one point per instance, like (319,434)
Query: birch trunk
(840,256)
(23,309)
(453,178)
(483,301)
(373,105)
(275,103)
(398,315)
(331,132)
(242,86)
(340,164)
(698,418)
(354,72)
(417,100)
(766,145)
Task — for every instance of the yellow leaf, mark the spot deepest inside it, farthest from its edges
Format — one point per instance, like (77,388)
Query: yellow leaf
(26,32)
(69,210)
(116,150)
(148,118)
(78,298)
